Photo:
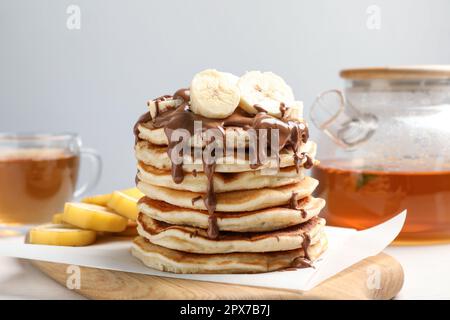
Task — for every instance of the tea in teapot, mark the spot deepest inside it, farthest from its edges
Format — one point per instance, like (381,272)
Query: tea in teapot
(389,150)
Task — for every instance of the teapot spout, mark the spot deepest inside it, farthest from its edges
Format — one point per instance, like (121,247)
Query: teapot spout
(342,122)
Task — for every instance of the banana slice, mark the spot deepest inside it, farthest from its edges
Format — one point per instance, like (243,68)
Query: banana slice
(57,218)
(294,111)
(61,235)
(133,192)
(266,90)
(93,217)
(124,204)
(231,77)
(214,94)
(100,200)
(161,104)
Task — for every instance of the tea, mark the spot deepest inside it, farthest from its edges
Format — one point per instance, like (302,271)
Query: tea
(35,183)
(361,197)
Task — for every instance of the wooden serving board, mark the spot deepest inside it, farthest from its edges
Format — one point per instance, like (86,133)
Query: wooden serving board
(351,283)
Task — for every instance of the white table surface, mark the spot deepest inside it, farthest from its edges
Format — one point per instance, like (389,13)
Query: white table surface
(426,269)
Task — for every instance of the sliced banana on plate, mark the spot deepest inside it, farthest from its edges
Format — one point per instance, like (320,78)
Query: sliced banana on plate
(266,90)
(93,217)
(100,200)
(124,204)
(103,199)
(61,235)
(57,218)
(133,192)
(214,94)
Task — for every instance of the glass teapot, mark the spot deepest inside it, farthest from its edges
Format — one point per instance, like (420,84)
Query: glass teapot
(385,148)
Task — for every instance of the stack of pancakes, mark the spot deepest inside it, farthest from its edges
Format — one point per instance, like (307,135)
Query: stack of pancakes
(228,217)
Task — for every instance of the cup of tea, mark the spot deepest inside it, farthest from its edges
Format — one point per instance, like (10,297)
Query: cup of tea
(39,173)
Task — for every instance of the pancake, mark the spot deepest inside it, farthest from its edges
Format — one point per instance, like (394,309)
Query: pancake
(190,239)
(234,201)
(223,182)
(250,221)
(169,260)
(157,157)
(239,136)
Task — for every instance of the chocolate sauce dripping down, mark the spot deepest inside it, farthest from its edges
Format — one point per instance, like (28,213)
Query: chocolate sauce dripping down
(303,213)
(309,163)
(194,234)
(210,199)
(172,120)
(305,261)
(177,168)
(293,204)
(194,200)
(300,263)
(291,134)
(305,245)
(213,228)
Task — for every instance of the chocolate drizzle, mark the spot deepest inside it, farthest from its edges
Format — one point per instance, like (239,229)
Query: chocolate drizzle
(177,168)
(193,234)
(183,94)
(293,201)
(305,245)
(298,160)
(213,228)
(291,135)
(194,200)
(309,163)
(305,261)
(210,199)
(303,213)
(293,204)
(159,100)
(300,263)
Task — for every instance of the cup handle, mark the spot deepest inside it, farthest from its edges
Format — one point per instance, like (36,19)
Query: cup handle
(96,162)
(332,113)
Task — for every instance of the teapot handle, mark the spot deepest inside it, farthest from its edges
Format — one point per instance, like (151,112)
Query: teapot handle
(342,122)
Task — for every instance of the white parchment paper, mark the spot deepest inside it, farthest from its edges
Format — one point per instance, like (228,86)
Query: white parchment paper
(346,247)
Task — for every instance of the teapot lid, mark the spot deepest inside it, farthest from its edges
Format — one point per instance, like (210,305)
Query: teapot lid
(398,72)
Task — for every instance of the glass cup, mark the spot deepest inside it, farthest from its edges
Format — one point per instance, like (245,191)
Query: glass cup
(38,174)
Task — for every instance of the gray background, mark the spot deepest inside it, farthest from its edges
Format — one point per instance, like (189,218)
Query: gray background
(95,81)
